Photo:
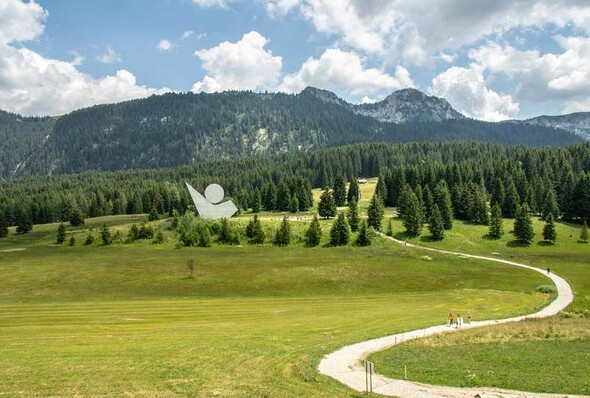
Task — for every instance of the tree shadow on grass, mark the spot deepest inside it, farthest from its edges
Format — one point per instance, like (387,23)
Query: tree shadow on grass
(545,243)
(516,243)
(428,239)
(489,237)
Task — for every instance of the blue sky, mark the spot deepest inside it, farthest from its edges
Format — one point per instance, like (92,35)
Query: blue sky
(491,60)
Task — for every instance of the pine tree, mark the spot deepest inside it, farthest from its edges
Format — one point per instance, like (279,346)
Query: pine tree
(381,188)
(436,225)
(257,205)
(442,199)
(550,206)
(511,200)
(227,234)
(89,239)
(61,234)
(353,215)
(105,235)
(294,205)
(339,191)
(72,241)
(584,233)
(327,206)
(496,225)
(153,215)
(549,231)
(313,234)
(3,224)
(413,219)
(404,199)
(340,232)
(76,218)
(284,197)
(24,223)
(254,231)
(204,237)
(283,234)
(428,201)
(363,238)
(375,213)
(523,225)
(353,191)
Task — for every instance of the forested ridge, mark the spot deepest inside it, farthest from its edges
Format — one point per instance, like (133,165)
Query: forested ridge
(180,129)
(473,171)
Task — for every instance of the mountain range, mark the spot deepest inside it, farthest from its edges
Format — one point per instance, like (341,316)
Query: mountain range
(175,129)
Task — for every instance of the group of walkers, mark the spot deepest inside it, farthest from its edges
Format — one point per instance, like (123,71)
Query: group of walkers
(457,321)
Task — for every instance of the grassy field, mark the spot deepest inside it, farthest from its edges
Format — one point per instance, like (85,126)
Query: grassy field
(126,319)
(542,356)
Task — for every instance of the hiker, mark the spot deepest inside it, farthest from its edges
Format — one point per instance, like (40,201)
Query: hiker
(450,319)
(459,320)
(548,271)
(468,317)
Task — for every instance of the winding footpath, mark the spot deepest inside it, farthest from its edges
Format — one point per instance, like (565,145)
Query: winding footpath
(345,364)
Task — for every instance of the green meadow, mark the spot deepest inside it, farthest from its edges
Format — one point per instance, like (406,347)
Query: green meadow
(255,321)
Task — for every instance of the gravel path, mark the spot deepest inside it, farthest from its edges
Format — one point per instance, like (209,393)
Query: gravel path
(345,364)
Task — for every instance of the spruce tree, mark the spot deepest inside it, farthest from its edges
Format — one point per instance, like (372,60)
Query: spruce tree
(353,215)
(153,215)
(105,235)
(24,223)
(257,203)
(61,234)
(428,201)
(294,205)
(550,206)
(255,232)
(381,188)
(436,225)
(89,239)
(442,199)
(204,237)
(496,225)
(584,233)
(3,224)
(549,231)
(283,233)
(363,238)
(339,191)
(340,232)
(413,218)
(76,218)
(72,241)
(404,199)
(523,225)
(511,200)
(389,227)
(353,191)
(227,234)
(375,213)
(327,207)
(313,234)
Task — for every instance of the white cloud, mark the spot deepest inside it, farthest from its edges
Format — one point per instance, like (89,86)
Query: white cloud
(212,3)
(187,34)
(164,45)
(368,100)
(31,84)
(280,7)
(78,58)
(109,57)
(345,72)
(466,90)
(244,65)
(20,21)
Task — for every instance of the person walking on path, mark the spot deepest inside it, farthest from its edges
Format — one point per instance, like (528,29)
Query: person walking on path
(459,321)
(468,317)
(450,319)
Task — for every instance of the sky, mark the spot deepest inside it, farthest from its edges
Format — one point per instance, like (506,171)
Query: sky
(492,60)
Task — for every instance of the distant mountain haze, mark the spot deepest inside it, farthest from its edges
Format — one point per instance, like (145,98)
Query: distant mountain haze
(174,129)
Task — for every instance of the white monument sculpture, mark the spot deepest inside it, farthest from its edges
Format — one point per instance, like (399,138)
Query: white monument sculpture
(208,206)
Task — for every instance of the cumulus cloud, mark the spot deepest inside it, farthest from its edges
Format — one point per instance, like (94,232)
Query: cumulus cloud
(110,56)
(78,58)
(280,7)
(20,21)
(32,84)
(466,90)
(345,72)
(243,65)
(187,34)
(164,45)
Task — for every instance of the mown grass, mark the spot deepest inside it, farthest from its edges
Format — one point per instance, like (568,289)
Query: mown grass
(125,319)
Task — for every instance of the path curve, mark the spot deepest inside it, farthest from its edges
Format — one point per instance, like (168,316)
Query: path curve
(345,365)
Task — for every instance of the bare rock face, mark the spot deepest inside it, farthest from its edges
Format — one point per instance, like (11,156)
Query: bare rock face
(577,123)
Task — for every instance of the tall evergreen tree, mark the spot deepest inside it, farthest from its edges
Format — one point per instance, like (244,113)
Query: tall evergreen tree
(413,218)
(61,234)
(327,206)
(24,222)
(313,234)
(496,225)
(3,224)
(254,231)
(105,235)
(353,215)
(340,232)
(339,191)
(353,191)
(550,206)
(284,197)
(363,238)
(436,225)
(389,227)
(294,204)
(204,239)
(549,231)
(442,199)
(76,218)
(381,188)
(375,213)
(428,201)
(511,200)
(523,225)
(257,202)
(283,233)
